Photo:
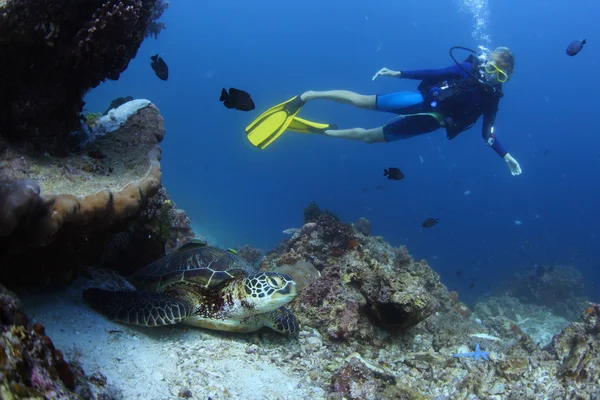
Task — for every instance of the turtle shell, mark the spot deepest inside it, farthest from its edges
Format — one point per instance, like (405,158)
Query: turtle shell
(207,266)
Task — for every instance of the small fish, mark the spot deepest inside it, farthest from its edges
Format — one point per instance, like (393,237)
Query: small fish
(472,285)
(575,47)
(160,67)
(459,272)
(429,222)
(393,173)
(237,99)
(546,152)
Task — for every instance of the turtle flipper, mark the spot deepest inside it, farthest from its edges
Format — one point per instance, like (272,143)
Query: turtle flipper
(137,307)
(282,320)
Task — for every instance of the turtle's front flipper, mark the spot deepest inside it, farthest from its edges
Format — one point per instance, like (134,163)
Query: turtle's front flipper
(137,308)
(281,320)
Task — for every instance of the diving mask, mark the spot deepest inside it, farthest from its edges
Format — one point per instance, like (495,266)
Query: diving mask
(493,71)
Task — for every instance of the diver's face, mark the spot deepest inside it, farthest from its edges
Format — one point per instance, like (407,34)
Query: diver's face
(493,74)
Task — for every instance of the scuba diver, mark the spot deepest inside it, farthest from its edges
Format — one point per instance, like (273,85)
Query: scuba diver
(452,98)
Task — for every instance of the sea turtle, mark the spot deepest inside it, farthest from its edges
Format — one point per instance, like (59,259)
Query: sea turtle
(202,286)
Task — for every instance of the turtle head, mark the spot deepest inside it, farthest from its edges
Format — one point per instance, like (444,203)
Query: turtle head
(268,291)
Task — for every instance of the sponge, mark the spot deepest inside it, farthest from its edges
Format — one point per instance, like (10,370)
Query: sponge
(19,200)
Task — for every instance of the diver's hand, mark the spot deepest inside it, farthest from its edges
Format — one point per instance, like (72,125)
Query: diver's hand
(387,72)
(513,165)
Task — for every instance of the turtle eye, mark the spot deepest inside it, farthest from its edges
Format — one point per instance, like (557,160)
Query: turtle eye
(274,281)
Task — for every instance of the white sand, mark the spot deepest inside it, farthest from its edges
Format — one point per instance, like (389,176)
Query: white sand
(158,363)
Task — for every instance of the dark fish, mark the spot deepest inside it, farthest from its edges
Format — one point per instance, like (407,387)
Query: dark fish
(546,152)
(429,222)
(237,99)
(575,47)
(160,67)
(472,285)
(117,102)
(393,174)
(459,272)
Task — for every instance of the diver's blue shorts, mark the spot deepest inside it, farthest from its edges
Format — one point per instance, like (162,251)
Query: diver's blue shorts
(406,125)
(400,102)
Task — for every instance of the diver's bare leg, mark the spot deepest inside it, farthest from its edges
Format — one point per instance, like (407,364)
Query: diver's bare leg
(374,135)
(343,96)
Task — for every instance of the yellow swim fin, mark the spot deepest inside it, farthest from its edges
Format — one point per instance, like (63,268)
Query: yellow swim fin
(304,126)
(273,122)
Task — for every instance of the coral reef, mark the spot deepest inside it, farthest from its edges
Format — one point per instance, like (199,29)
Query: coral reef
(358,380)
(100,188)
(303,272)
(559,288)
(159,229)
(363,225)
(578,349)
(364,282)
(31,367)
(155,26)
(58,50)
(508,317)
(312,212)
(249,253)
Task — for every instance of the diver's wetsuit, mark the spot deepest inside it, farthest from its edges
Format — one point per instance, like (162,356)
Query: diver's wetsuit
(457,113)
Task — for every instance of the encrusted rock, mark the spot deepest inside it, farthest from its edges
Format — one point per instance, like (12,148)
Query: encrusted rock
(356,292)
(105,184)
(359,379)
(58,51)
(19,201)
(363,225)
(31,367)
(578,348)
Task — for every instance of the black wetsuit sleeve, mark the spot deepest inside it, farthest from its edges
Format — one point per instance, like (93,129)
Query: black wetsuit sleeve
(453,71)
(489,118)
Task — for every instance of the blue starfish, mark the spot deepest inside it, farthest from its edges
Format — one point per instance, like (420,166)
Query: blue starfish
(477,354)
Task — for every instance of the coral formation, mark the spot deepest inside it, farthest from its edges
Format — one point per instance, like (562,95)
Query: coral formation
(303,272)
(31,367)
(20,201)
(509,317)
(363,282)
(578,349)
(155,26)
(559,288)
(58,50)
(312,212)
(249,253)
(159,229)
(106,184)
(359,380)
(363,225)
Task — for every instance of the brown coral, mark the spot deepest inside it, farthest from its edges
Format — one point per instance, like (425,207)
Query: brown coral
(19,201)
(80,201)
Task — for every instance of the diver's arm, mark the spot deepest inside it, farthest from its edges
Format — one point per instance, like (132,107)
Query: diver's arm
(489,117)
(453,71)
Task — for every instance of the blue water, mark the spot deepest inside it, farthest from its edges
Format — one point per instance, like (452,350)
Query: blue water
(237,194)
